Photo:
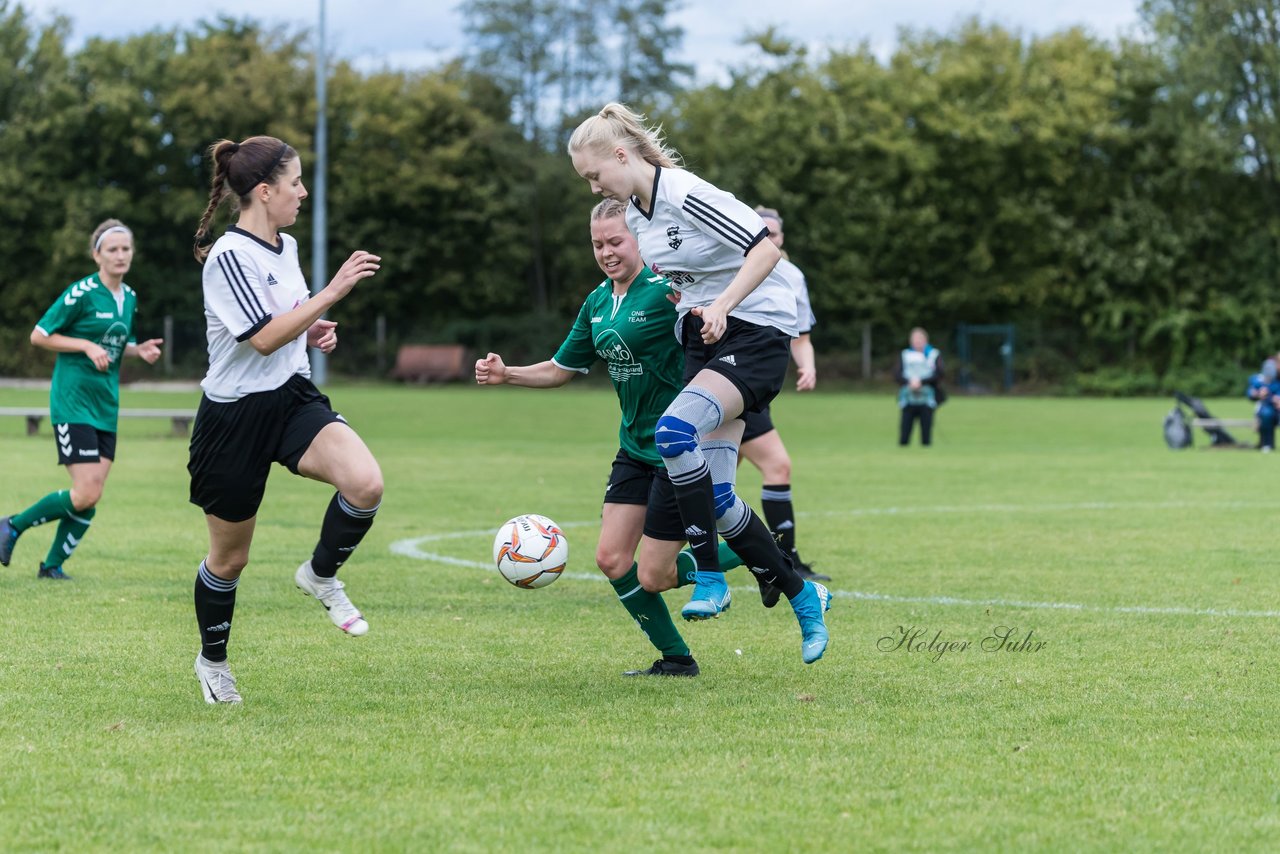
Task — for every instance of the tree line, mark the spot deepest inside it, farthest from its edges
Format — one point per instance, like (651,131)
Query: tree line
(1116,200)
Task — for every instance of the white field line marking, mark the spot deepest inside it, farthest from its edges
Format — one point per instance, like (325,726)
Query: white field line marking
(1065,507)
(412,547)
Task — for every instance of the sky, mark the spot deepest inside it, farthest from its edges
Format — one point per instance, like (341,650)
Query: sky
(419,34)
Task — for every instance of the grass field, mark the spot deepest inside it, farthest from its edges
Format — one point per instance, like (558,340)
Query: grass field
(475,716)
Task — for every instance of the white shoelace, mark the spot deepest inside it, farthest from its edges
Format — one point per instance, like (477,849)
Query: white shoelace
(333,596)
(223,684)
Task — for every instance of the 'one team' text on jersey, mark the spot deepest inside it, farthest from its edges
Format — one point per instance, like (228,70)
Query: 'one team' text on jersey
(697,235)
(247,281)
(632,334)
(82,394)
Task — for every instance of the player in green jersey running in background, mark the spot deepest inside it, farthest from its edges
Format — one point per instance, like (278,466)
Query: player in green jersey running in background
(627,321)
(90,327)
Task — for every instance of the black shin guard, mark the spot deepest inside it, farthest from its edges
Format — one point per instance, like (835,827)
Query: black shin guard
(215,604)
(697,503)
(754,543)
(775,501)
(344,527)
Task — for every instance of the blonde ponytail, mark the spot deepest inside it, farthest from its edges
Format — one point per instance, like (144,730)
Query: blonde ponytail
(615,125)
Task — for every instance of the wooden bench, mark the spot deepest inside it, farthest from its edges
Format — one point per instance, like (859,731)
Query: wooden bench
(432,363)
(180,418)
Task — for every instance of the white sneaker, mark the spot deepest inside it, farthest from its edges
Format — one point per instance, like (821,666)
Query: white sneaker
(216,681)
(330,593)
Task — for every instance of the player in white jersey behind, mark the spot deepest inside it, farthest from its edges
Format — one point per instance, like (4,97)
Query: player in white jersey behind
(736,320)
(259,405)
(761,443)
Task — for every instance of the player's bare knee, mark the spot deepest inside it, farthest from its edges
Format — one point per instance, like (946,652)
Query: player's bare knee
(656,579)
(227,566)
(366,490)
(613,564)
(778,471)
(86,497)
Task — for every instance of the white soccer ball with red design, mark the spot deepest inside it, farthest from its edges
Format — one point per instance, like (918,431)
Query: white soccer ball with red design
(530,551)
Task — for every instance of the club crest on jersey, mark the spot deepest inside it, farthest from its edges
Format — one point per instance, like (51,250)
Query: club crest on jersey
(114,340)
(617,356)
(673,237)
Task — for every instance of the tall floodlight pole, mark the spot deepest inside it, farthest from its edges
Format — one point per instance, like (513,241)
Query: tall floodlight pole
(319,224)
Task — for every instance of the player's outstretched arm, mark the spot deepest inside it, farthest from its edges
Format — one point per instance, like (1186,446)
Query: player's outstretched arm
(491,370)
(288,326)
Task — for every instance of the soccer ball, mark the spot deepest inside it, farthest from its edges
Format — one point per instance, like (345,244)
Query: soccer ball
(530,551)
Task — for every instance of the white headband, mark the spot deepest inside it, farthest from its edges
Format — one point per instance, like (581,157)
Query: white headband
(120,229)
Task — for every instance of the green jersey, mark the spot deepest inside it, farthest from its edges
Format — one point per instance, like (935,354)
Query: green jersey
(82,394)
(635,336)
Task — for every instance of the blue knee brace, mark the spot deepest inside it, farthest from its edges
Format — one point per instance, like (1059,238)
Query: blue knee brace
(724,497)
(675,436)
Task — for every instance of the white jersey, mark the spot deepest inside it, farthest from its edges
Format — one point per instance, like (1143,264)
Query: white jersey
(804,309)
(697,235)
(247,281)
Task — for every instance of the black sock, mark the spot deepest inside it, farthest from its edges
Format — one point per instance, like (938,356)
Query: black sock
(696,499)
(678,659)
(775,501)
(215,603)
(754,543)
(344,527)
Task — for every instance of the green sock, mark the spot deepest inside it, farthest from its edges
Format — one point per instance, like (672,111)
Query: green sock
(55,505)
(650,613)
(70,533)
(728,557)
(687,568)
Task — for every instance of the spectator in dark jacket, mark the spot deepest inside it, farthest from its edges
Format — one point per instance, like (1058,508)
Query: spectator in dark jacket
(918,374)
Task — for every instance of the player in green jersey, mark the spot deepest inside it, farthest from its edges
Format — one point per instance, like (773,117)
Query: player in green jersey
(90,327)
(627,322)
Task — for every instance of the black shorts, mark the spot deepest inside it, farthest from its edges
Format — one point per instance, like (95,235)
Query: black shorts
(636,482)
(754,358)
(83,443)
(758,423)
(234,444)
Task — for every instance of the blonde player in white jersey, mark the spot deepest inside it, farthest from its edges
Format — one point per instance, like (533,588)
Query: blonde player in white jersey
(736,321)
(259,405)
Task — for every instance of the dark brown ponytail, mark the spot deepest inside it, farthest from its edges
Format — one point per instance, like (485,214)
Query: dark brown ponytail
(238,167)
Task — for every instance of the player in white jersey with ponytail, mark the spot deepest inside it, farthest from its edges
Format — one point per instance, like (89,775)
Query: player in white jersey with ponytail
(259,405)
(736,322)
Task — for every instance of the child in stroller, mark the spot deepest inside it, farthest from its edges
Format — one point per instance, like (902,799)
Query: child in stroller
(1265,390)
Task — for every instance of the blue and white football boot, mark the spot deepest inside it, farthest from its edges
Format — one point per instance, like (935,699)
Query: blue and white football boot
(810,605)
(710,597)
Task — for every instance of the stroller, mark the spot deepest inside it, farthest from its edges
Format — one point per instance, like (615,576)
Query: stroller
(1177,426)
